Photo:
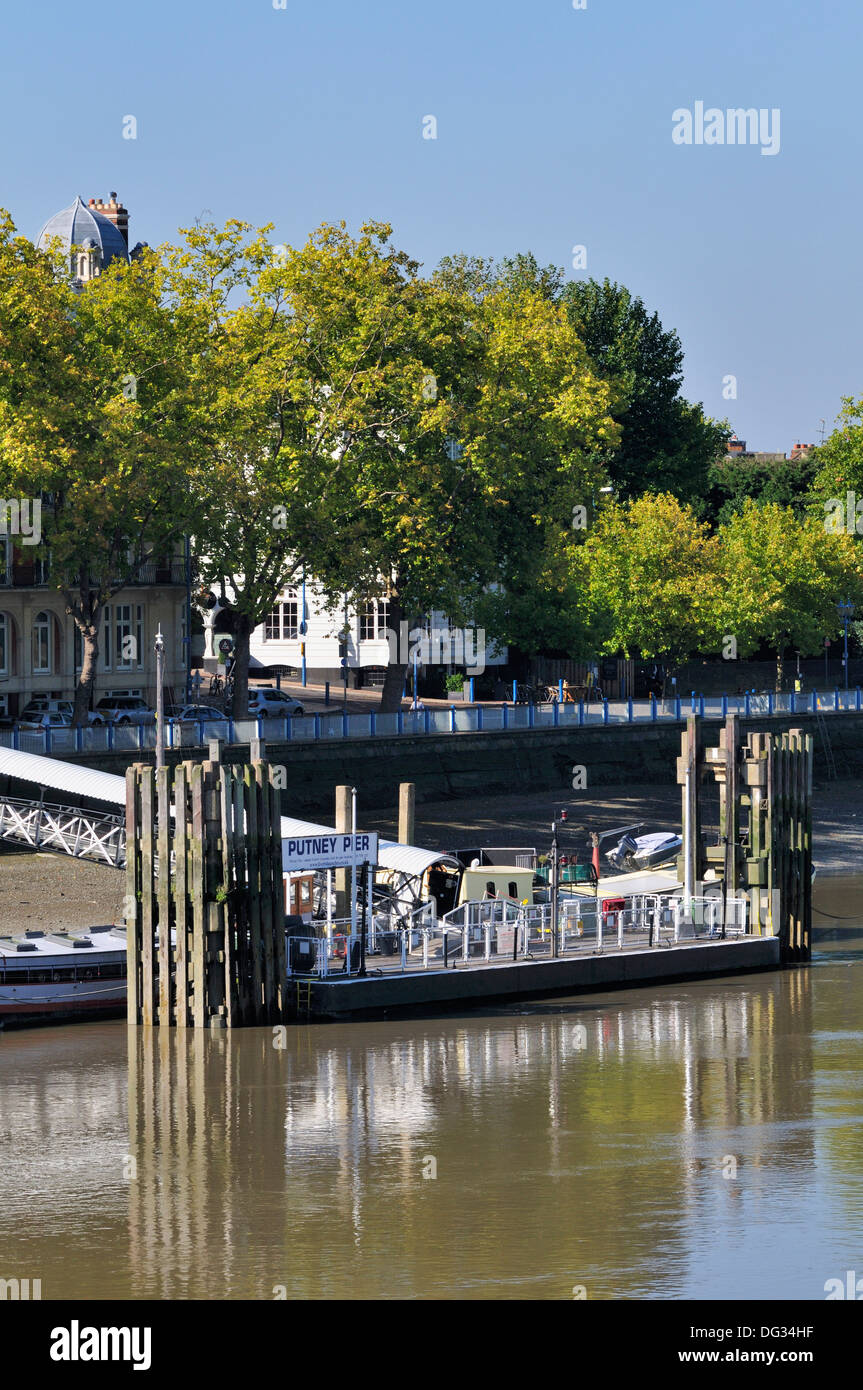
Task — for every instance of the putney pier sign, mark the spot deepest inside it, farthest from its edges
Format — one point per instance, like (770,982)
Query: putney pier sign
(304,853)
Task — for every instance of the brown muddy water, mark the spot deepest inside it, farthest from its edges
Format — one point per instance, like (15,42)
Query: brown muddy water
(700,1140)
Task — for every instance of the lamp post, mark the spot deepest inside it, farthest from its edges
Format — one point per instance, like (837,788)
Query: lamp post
(159,648)
(555,885)
(304,673)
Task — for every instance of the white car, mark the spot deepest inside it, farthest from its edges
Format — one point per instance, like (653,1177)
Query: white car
(125,709)
(44,719)
(202,714)
(41,704)
(268,703)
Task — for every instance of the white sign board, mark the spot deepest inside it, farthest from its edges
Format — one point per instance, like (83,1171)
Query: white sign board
(303,853)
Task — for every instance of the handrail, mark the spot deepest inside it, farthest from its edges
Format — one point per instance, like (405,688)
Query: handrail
(478,720)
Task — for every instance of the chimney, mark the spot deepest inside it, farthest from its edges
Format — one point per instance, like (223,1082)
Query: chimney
(116,213)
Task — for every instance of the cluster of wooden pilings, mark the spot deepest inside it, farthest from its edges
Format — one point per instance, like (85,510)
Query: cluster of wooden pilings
(765,826)
(204,896)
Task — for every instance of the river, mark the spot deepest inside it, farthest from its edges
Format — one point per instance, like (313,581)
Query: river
(700,1140)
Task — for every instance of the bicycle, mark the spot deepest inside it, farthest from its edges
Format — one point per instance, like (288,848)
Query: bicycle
(534,694)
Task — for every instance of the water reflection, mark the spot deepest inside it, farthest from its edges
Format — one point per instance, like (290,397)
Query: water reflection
(702,1140)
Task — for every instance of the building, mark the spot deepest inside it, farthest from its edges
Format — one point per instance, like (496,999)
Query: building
(40,647)
(736,448)
(302,629)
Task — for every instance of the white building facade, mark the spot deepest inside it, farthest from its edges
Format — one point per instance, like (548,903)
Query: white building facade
(302,630)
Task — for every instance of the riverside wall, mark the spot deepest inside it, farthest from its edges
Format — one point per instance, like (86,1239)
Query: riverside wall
(473,765)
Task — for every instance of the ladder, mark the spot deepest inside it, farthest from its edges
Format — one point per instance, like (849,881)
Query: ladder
(826,745)
(304,998)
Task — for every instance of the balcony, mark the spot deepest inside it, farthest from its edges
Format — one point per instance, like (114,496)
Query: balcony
(159,572)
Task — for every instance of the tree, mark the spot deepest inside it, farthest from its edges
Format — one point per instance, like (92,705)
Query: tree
(457,490)
(782,578)
(733,480)
(650,567)
(838,470)
(92,408)
(667,444)
(302,387)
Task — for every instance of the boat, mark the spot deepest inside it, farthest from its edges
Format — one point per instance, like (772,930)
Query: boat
(56,977)
(638,851)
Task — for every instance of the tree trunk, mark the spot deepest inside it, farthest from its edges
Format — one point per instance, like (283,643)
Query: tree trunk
(397,665)
(242,634)
(84,689)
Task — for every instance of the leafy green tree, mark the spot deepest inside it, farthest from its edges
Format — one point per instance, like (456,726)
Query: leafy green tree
(666,444)
(838,471)
(785,482)
(93,403)
(651,570)
(782,578)
(456,496)
(304,373)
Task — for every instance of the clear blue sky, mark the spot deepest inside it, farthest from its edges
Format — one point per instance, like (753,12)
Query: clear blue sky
(554,129)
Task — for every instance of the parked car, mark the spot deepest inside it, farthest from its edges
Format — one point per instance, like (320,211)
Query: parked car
(44,719)
(267,703)
(205,714)
(125,709)
(41,704)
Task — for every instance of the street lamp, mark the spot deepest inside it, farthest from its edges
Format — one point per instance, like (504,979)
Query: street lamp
(555,885)
(159,648)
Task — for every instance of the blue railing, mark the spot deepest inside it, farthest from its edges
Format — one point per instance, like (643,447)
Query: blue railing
(454,719)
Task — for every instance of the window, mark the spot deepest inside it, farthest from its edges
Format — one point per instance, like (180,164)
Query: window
(283,623)
(128,636)
(42,642)
(374,617)
(5,642)
(5,560)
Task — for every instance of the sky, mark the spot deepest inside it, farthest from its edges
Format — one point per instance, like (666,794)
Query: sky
(553,129)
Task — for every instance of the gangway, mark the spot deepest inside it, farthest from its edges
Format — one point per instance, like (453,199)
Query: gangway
(66,829)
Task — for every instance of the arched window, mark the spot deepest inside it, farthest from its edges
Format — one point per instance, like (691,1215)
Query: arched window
(42,642)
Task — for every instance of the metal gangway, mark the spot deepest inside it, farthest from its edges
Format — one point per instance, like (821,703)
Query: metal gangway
(83,834)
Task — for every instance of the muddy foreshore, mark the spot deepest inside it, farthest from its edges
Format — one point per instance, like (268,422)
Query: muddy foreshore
(51,892)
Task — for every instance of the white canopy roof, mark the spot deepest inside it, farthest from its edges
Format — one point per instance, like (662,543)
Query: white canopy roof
(108,787)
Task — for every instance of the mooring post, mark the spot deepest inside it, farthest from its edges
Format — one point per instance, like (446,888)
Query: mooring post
(343,825)
(181,896)
(148,899)
(163,802)
(407,808)
(730,812)
(688,771)
(133,897)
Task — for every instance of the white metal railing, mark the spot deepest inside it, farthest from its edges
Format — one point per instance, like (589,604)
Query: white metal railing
(500,929)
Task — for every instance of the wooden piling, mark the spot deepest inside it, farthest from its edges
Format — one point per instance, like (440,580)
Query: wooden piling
(407,810)
(776,790)
(213,896)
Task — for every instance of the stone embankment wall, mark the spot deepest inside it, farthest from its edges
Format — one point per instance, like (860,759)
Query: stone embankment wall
(494,764)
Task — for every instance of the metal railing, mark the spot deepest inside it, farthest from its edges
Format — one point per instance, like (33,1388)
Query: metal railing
(473,719)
